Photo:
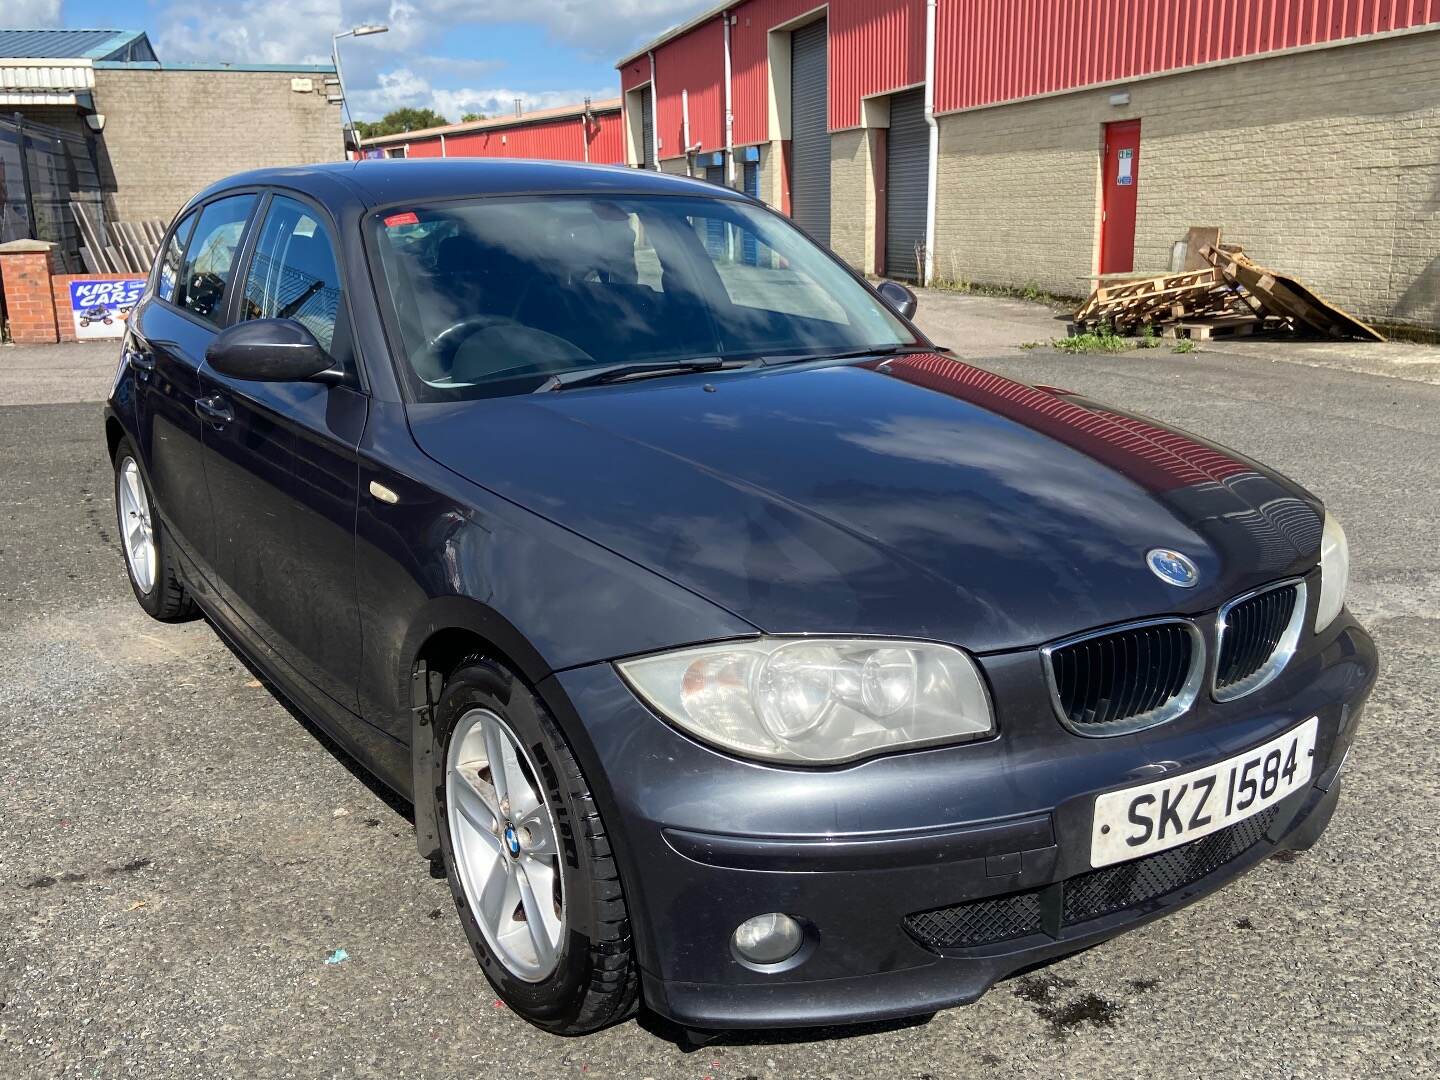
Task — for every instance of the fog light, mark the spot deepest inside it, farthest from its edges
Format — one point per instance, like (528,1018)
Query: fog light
(768,939)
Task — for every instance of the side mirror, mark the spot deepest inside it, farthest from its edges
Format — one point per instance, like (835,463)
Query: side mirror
(270,350)
(898,297)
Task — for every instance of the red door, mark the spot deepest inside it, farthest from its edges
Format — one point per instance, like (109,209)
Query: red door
(1121,181)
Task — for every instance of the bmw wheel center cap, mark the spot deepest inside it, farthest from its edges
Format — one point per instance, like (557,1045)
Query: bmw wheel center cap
(512,840)
(1172,567)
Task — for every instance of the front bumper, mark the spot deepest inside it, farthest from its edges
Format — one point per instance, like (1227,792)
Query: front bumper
(706,841)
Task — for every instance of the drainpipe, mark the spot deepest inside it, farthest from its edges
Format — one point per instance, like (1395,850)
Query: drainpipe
(442,146)
(729,114)
(685,129)
(654,113)
(585,118)
(934,163)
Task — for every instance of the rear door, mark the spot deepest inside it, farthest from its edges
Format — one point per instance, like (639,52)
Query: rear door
(282,465)
(167,346)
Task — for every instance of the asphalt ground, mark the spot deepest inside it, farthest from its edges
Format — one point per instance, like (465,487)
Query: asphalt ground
(180,853)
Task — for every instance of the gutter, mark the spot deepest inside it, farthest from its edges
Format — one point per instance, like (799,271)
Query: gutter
(729,112)
(933,166)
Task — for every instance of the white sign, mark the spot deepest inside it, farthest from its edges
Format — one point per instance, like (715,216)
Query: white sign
(1125,174)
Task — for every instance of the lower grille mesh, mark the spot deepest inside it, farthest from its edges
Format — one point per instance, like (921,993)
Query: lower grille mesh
(979,922)
(1089,895)
(1126,885)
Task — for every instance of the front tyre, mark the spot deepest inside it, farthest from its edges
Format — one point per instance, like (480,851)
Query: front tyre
(527,856)
(149,560)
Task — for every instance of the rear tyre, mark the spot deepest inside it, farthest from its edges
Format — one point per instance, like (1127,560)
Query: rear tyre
(527,856)
(149,557)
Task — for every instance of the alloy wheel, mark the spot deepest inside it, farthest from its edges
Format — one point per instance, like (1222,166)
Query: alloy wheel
(506,850)
(137,531)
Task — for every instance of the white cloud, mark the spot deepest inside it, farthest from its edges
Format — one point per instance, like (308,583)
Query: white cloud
(403,88)
(293,30)
(25,14)
(400,67)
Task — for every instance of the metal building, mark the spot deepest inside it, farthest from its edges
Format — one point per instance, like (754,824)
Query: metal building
(585,132)
(991,141)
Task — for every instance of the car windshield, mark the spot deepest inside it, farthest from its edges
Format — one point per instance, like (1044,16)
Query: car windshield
(500,296)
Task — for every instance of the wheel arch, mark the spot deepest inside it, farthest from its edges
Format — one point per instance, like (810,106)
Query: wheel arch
(447,632)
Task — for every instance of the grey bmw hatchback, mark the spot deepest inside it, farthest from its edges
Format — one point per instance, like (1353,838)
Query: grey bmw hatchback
(743,652)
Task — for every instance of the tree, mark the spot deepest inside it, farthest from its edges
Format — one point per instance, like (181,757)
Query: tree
(400,120)
(469,116)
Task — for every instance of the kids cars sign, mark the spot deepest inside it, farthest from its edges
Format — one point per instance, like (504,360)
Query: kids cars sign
(101,307)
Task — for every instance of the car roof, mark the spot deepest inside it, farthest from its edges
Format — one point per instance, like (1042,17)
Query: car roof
(379,182)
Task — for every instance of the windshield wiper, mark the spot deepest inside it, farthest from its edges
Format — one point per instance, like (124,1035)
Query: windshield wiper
(847,354)
(613,373)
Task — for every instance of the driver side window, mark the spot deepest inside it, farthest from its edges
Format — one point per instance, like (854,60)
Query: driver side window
(293,274)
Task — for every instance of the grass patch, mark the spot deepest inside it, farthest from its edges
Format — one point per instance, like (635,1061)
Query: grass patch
(1028,345)
(1184,345)
(1100,340)
(1030,293)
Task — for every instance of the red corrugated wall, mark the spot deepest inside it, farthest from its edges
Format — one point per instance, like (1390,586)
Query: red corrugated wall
(693,62)
(556,140)
(750,64)
(607,142)
(875,46)
(995,50)
(634,73)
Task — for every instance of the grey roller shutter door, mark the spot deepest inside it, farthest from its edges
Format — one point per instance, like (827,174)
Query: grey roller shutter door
(907,183)
(809,131)
(715,174)
(647,128)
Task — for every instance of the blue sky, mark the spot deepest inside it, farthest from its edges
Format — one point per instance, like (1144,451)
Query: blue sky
(455,56)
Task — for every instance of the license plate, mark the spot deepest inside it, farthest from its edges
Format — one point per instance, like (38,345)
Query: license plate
(1153,817)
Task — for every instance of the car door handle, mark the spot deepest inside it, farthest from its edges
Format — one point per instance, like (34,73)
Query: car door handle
(142,362)
(213,410)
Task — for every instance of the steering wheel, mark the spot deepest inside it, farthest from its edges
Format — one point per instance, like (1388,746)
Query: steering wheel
(465,351)
(439,352)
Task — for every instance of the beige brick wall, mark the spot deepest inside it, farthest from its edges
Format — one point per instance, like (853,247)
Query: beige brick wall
(772,174)
(169,133)
(852,197)
(1323,164)
(675,166)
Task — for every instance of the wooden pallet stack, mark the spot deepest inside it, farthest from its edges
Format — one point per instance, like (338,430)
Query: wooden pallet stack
(121,248)
(1227,296)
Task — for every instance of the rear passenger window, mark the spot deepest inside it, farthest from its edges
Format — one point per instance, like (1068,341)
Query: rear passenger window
(174,253)
(205,281)
(293,274)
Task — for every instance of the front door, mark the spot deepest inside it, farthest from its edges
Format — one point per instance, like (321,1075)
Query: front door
(1120,184)
(281,462)
(168,337)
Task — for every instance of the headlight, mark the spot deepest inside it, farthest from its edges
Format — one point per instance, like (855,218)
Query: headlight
(1334,573)
(816,700)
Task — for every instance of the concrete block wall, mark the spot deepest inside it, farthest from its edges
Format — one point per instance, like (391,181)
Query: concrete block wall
(170,133)
(25,270)
(1322,163)
(852,197)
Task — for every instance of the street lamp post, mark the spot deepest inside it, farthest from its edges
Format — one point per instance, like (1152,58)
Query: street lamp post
(357,31)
